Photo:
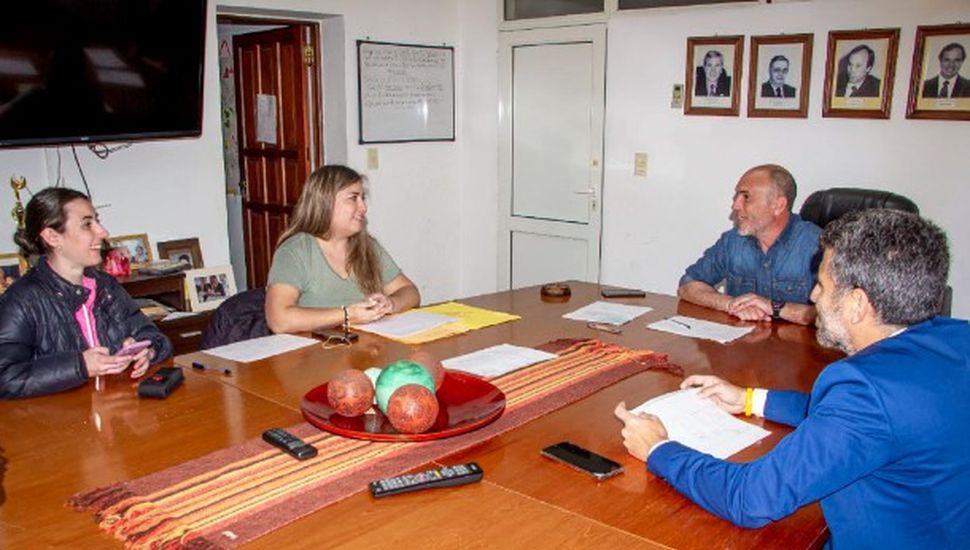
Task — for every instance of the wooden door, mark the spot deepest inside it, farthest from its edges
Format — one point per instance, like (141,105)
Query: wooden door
(274,89)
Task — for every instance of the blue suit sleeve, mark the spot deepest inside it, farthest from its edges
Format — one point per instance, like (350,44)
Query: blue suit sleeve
(846,436)
(710,268)
(786,407)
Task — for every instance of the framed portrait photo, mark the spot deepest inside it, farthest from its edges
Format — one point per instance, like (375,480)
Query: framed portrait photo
(186,251)
(139,252)
(779,75)
(939,86)
(208,287)
(859,73)
(714,75)
(11,268)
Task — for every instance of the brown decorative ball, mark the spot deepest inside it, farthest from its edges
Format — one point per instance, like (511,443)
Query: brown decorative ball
(412,409)
(350,393)
(430,364)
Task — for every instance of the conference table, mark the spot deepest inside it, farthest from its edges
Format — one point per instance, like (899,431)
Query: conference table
(55,446)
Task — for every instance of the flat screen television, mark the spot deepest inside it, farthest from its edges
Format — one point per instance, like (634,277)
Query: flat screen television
(78,71)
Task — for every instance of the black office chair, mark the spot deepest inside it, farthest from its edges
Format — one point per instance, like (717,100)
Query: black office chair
(826,205)
(241,317)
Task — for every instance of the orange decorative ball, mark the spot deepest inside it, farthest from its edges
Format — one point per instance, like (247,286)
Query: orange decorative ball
(430,364)
(350,393)
(412,409)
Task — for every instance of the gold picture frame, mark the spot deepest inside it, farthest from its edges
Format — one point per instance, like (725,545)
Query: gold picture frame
(139,251)
(859,72)
(939,50)
(12,267)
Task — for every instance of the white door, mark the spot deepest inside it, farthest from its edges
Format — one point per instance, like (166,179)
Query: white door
(551,87)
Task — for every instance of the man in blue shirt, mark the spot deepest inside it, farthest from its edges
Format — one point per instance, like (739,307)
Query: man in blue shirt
(881,440)
(767,262)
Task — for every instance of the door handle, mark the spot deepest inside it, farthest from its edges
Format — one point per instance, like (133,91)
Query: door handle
(591,191)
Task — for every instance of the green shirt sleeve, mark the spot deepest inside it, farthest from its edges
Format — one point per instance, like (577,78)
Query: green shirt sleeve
(291,263)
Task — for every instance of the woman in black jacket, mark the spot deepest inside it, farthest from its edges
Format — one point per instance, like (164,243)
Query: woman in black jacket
(64,321)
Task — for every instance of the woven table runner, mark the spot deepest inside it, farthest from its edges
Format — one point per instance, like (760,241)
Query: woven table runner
(232,496)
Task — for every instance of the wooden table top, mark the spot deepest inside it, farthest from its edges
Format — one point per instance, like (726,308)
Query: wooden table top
(59,445)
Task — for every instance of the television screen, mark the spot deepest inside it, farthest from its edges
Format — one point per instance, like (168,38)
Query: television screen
(76,71)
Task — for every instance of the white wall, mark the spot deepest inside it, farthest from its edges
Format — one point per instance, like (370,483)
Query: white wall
(174,189)
(655,226)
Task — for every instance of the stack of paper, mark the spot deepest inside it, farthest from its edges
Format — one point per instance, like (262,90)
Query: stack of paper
(261,348)
(700,424)
(698,328)
(497,360)
(607,312)
(462,318)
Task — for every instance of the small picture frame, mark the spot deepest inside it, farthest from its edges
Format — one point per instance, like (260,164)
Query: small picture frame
(859,72)
(11,268)
(208,287)
(714,75)
(779,75)
(182,250)
(139,251)
(939,88)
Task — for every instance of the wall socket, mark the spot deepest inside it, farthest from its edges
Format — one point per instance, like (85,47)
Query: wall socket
(677,97)
(373,162)
(640,164)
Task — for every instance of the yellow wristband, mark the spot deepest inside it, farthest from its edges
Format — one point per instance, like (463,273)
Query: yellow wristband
(748,401)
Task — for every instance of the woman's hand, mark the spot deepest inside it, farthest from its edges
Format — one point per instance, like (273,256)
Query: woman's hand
(100,362)
(381,303)
(365,312)
(139,361)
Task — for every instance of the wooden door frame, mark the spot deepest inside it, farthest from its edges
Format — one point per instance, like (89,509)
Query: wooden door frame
(313,123)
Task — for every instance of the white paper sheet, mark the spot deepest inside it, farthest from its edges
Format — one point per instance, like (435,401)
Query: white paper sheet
(607,312)
(698,328)
(261,348)
(700,424)
(406,324)
(266,118)
(497,360)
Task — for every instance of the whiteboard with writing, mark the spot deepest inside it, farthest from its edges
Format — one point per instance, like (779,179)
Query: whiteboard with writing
(405,92)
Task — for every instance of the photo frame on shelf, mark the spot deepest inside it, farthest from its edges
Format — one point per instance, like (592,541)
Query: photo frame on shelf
(139,251)
(11,269)
(938,88)
(779,75)
(208,287)
(859,72)
(713,75)
(182,250)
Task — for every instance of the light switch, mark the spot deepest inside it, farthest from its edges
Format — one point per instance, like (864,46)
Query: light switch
(373,162)
(677,97)
(640,164)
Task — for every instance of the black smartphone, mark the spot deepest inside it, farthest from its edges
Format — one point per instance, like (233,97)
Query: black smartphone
(613,292)
(335,335)
(581,459)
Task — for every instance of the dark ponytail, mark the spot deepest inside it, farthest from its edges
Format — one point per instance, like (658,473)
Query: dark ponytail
(45,209)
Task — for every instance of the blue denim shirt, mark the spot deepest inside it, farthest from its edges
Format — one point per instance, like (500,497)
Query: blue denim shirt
(786,272)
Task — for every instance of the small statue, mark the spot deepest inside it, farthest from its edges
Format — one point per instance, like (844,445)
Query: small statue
(17,184)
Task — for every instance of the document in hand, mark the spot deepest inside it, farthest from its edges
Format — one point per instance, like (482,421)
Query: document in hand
(700,424)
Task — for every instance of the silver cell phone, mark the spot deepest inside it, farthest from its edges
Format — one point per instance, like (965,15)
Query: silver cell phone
(581,459)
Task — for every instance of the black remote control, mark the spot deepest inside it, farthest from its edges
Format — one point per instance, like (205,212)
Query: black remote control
(290,443)
(449,476)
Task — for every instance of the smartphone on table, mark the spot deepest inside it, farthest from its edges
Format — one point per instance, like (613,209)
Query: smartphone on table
(614,292)
(133,348)
(584,460)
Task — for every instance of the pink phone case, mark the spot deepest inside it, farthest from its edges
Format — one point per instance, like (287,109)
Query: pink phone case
(132,349)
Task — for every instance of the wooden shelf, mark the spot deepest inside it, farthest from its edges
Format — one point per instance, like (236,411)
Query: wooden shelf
(184,332)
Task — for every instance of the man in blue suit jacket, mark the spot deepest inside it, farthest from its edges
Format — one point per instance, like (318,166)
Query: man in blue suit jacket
(881,440)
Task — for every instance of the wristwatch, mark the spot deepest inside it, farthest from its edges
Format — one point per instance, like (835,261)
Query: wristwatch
(776,306)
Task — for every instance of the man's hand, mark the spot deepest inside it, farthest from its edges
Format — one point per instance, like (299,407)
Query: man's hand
(750,307)
(640,431)
(727,396)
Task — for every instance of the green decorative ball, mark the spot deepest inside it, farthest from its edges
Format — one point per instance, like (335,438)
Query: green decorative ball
(398,374)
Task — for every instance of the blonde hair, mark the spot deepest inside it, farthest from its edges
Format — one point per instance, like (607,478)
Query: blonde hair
(314,211)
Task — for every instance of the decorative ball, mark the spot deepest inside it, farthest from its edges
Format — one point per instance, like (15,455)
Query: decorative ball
(350,393)
(432,365)
(412,409)
(398,374)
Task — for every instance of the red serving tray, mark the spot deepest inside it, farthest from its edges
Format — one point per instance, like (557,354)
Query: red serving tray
(466,402)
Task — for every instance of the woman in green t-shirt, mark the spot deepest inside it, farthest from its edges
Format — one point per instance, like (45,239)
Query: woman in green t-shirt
(327,271)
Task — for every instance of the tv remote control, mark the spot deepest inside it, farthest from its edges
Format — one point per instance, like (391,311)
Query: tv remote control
(290,443)
(449,476)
